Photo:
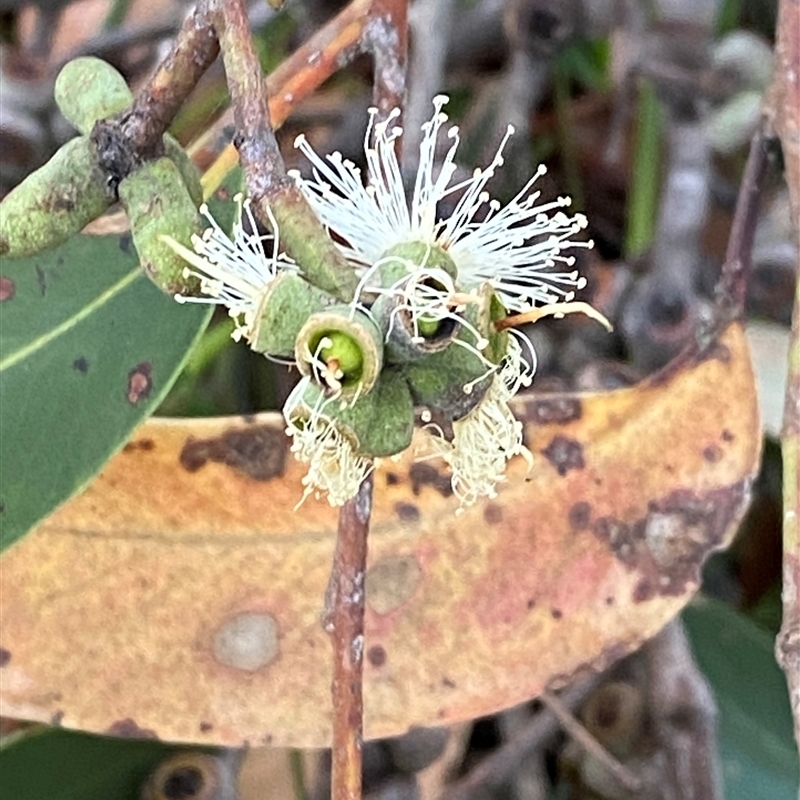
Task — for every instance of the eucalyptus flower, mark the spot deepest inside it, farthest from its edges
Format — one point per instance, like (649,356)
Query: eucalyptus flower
(486,438)
(335,470)
(234,271)
(429,324)
(520,249)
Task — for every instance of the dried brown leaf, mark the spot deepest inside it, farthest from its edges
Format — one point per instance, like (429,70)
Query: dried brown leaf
(181,594)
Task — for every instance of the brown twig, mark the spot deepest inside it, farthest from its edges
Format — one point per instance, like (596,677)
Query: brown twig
(683,717)
(272,192)
(386,36)
(788,643)
(328,50)
(585,739)
(736,268)
(135,135)
(344,621)
(497,768)
(782,108)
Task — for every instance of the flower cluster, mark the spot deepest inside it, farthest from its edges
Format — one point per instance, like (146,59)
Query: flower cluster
(428,325)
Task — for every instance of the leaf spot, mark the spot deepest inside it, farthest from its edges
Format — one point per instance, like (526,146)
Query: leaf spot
(81,364)
(41,279)
(247,641)
(7,289)
(422,474)
(128,729)
(493,513)
(5,656)
(580,515)
(258,451)
(392,582)
(140,382)
(376,655)
(668,544)
(144,444)
(564,454)
(407,512)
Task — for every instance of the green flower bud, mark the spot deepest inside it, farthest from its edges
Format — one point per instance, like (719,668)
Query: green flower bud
(341,348)
(185,165)
(88,89)
(55,202)
(288,302)
(159,204)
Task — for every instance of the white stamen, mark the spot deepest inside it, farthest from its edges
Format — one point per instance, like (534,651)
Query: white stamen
(486,438)
(515,248)
(334,468)
(235,270)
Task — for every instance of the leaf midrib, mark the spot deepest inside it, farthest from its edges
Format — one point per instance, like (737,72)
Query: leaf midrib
(44,339)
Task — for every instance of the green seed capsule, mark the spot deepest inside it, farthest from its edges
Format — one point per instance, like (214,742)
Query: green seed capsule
(342,349)
(54,202)
(88,89)
(382,422)
(159,204)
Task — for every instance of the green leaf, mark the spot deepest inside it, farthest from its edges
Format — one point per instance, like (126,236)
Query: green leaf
(88,348)
(759,755)
(62,765)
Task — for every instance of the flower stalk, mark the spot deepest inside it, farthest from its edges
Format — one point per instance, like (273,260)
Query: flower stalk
(272,193)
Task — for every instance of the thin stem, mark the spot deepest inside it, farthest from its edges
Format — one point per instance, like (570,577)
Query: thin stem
(738,257)
(788,644)
(268,186)
(496,769)
(126,140)
(643,195)
(783,113)
(387,37)
(328,50)
(344,621)
(194,50)
(585,739)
